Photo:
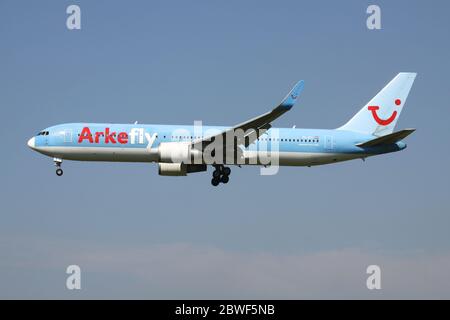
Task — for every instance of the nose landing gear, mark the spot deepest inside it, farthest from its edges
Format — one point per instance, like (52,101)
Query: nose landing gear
(220,174)
(58,162)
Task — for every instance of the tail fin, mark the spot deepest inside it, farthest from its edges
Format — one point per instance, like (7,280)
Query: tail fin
(380,115)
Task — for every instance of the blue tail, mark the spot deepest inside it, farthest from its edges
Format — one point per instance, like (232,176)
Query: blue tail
(380,115)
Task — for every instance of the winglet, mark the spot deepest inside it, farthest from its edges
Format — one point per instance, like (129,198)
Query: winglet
(289,101)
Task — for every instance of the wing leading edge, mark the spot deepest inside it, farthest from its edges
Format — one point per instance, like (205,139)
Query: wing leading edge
(254,126)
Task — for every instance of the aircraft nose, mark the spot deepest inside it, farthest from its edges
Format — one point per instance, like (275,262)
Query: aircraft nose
(31,143)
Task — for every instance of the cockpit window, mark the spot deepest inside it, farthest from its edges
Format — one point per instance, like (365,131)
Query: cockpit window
(43,133)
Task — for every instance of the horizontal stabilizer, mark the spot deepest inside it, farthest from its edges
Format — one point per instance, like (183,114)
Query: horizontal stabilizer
(387,139)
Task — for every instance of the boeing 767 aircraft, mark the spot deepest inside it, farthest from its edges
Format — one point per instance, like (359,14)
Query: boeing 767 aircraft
(183,149)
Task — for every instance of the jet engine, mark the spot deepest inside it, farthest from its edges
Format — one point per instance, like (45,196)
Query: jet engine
(179,169)
(177,152)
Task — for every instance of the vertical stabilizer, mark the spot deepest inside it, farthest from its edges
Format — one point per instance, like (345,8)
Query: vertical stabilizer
(379,116)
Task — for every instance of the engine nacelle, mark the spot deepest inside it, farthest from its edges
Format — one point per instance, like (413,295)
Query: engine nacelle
(172,169)
(179,169)
(176,152)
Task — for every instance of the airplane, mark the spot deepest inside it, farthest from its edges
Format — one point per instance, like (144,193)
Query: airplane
(369,132)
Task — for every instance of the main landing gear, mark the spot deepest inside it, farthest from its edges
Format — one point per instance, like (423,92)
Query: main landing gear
(58,162)
(220,174)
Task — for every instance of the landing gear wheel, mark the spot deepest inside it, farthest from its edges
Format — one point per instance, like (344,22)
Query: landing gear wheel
(220,174)
(215,182)
(216,174)
(58,163)
(225,179)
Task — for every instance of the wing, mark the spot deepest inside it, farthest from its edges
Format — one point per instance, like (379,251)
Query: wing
(255,127)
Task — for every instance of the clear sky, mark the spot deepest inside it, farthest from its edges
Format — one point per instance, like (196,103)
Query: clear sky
(303,233)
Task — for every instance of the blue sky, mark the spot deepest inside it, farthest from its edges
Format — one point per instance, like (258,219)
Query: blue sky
(303,233)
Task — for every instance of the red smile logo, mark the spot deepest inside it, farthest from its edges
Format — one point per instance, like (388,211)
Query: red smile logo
(384,122)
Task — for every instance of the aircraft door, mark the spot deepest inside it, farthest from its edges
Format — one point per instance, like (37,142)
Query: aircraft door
(68,136)
(329,143)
